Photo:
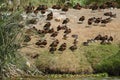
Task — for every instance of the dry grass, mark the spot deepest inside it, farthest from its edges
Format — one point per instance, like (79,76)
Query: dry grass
(66,63)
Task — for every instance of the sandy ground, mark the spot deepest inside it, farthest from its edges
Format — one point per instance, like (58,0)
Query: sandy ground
(112,28)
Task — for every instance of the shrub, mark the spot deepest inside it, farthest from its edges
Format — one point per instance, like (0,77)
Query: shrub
(97,53)
(10,39)
(111,65)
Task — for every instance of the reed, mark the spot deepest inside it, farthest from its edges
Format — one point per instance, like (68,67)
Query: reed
(9,45)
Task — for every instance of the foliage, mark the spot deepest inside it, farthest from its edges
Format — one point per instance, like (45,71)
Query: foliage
(96,53)
(11,35)
(23,3)
(111,65)
(8,43)
(103,58)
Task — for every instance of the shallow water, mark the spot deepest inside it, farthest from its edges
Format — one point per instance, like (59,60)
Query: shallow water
(90,78)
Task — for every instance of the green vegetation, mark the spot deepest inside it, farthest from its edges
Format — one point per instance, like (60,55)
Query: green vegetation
(104,58)
(66,76)
(111,65)
(82,61)
(96,53)
(8,43)
(11,61)
(61,2)
(23,3)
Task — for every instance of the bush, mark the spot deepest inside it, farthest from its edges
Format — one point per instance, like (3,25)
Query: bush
(111,65)
(8,43)
(97,53)
(11,62)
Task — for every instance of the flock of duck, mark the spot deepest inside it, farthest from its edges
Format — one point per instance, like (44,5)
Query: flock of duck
(47,29)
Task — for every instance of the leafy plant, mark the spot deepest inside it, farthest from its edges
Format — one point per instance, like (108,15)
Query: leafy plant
(111,65)
(9,41)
